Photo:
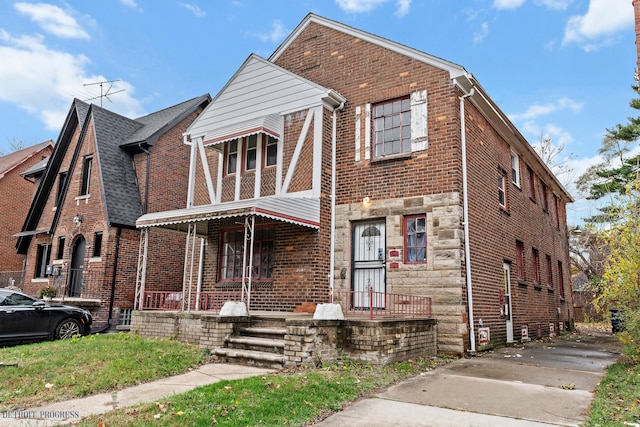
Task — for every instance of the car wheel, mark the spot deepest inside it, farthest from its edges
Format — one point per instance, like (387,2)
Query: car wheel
(67,328)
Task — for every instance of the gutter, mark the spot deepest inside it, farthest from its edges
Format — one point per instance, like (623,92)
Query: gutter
(333,203)
(465,209)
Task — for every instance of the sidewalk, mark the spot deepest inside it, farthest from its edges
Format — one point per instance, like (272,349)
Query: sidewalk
(71,410)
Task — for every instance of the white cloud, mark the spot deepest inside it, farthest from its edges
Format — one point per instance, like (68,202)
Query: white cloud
(535,111)
(129,3)
(53,20)
(554,4)
(362,6)
(277,33)
(46,91)
(599,26)
(194,9)
(507,4)
(480,35)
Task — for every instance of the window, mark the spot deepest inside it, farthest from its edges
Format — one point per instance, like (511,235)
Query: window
(233,248)
(560,280)
(271,149)
(532,183)
(61,241)
(520,260)
(232,156)
(43,256)
(536,265)
(86,176)
(392,127)
(556,211)
(415,239)
(515,169)
(97,244)
(545,200)
(502,190)
(62,180)
(251,150)
(549,273)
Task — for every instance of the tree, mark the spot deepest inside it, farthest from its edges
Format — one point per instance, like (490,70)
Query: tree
(14,145)
(618,168)
(550,154)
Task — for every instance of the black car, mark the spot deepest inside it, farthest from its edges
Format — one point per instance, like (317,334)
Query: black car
(25,318)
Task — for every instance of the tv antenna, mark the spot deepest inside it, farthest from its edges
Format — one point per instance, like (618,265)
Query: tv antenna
(104,94)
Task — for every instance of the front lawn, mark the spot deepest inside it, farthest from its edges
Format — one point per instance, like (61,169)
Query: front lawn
(66,369)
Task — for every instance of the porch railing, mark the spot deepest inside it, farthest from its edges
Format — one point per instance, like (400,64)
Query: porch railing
(380,304)
(172,300)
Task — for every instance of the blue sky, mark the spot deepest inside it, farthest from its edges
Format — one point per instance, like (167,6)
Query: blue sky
(558,68)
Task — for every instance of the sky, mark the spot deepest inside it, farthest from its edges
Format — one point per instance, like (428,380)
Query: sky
(560,69)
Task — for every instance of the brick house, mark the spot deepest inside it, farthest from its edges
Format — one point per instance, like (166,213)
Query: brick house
(350,162)
(105,171)
(15,197)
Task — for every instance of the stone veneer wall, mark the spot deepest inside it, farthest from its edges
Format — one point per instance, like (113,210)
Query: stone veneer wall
(441,278)
(308,342)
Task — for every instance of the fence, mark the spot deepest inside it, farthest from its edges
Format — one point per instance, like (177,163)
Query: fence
(205,301)
(11,278)
(381,304)
(76,283)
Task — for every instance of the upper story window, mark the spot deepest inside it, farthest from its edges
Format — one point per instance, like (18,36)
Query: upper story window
(532,183)
(520,260)
(271,152)
(392,127)
(62,180)
(556,211)
(549,273)
(502,190)
(536,265)
(515,169)
(545,199)
(250,152)
(415,239)
(231,156)
(85,185)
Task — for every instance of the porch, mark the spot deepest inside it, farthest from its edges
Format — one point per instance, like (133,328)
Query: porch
(293,339)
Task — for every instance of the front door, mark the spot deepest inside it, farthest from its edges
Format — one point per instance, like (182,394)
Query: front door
(74,285)
(507,301)
(369,264)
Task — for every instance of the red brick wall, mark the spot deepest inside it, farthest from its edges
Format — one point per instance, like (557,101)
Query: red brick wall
(15,198)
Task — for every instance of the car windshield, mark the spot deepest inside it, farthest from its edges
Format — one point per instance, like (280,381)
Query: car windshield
(14,298)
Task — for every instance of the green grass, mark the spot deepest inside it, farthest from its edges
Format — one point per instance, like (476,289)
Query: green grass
(60,370)
(288,398)
(617,397)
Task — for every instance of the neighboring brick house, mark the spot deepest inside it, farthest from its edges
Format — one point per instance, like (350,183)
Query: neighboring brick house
(15,197)
(105,171)
(344,159)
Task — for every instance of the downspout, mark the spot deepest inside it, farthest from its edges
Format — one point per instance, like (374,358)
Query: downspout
(465,210)
(113,282)
(333,204)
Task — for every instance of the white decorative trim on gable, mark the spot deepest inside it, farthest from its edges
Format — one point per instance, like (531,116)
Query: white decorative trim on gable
(270,124)
(419,128)
(357,147)
(367,133)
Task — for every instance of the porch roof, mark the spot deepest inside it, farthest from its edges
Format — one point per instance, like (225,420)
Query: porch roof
(269,124)
(294,210)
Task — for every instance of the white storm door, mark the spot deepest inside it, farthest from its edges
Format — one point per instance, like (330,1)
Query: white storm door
(507,301)
(369,266)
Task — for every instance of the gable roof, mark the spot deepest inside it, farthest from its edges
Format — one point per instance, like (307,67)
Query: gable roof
(464,80)
(253,99)
(13,160)
(114,136)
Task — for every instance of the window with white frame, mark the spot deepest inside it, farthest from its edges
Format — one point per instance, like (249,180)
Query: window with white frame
(43,255)
(231,156)
(515,168)
(85,185)
(392,127)
(250,152)
(271,152)
(502,190)
(415,239)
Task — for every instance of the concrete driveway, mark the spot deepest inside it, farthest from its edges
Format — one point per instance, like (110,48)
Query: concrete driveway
(536,384)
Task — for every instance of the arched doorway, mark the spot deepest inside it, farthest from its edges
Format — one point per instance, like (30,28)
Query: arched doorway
(74,286)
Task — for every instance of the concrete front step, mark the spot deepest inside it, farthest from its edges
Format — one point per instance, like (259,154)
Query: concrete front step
(263,331)
(256,342)
(251,357)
